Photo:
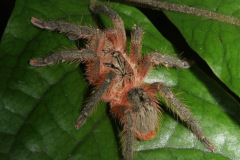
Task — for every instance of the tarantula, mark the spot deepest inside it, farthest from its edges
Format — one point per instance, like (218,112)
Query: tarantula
(119,78)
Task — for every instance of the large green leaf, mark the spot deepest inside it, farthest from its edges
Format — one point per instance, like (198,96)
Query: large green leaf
(39,106)
(217,43)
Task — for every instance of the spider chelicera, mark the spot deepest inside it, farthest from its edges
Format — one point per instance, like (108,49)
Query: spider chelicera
(119,78)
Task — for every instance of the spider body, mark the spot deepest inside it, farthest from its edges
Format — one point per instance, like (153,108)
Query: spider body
(119,78)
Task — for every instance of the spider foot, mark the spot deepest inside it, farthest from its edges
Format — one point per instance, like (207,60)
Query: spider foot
(208,144)
(38,62)
(80,121)
(42,24)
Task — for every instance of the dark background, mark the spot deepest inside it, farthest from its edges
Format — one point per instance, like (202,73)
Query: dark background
(6,7)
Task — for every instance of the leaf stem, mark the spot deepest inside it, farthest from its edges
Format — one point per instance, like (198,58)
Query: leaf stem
(158,5)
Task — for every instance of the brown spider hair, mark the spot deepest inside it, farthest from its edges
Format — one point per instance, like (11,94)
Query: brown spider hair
(119,78)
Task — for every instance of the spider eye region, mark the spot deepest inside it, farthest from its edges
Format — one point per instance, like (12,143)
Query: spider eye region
(115,53)
(116,62)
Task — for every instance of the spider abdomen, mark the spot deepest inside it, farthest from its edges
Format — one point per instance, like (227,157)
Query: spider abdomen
(145,113)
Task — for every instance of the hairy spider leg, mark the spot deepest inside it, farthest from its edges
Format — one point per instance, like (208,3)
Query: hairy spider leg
(127,133)
(83,55)
(96,37)
(160,59)
(180,110)
(136,38)
(96,97)
(94,69)
(176,106)
(71,30)
(120,40)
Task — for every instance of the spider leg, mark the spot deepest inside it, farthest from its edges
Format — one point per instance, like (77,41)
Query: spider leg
(140,119)
(128,135)
(117,22)
(73,31)
(160,59)
(167,60)
(136,38)
(180,109)
(67,55)
(94,99)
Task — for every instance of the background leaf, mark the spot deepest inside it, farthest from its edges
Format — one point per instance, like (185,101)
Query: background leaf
(217,43)
(39,106)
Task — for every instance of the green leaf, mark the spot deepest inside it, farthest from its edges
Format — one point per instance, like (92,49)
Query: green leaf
(39,106)
(217,43)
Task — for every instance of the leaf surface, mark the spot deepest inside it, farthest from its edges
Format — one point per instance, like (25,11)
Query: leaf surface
(217,43)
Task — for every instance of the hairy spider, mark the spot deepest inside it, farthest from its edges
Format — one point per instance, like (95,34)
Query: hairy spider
(119,78)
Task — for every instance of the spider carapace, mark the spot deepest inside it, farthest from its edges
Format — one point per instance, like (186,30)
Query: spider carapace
(119,78)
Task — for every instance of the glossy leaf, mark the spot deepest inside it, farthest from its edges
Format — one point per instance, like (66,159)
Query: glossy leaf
(217,43)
